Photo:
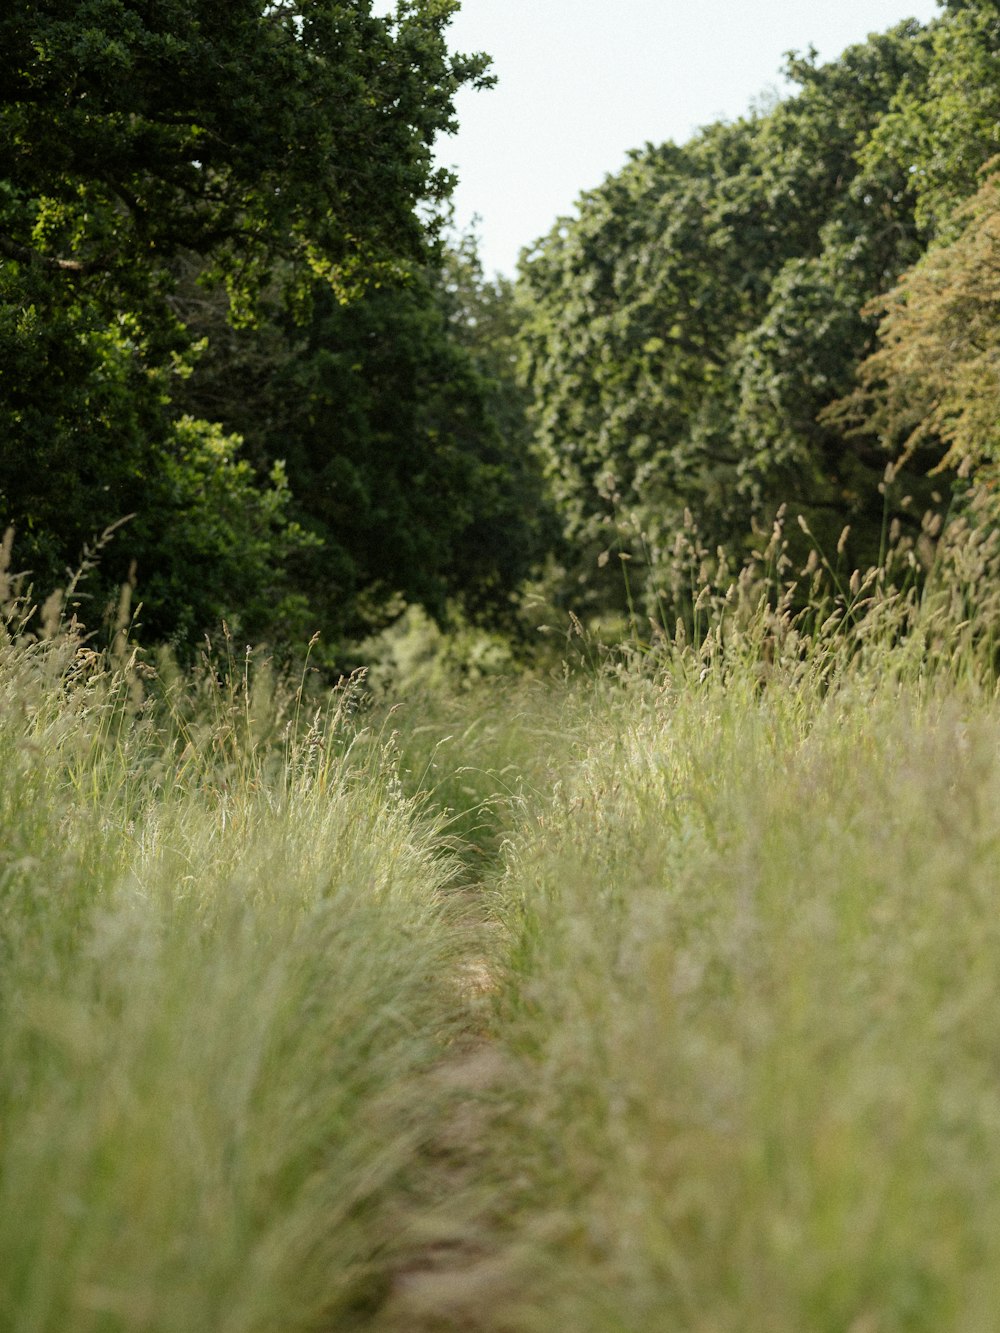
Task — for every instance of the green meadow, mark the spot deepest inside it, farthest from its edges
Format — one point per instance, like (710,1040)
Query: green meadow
(659,992)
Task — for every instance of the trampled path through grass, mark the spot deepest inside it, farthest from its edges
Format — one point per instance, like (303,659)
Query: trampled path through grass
(450,1270)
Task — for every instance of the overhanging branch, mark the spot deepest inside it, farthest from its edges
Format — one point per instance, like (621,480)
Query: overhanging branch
(25,255)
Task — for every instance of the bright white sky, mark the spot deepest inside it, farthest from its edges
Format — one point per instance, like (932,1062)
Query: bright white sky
(583,81)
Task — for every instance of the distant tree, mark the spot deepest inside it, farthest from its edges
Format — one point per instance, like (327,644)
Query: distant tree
(934,380)
(943,124)
(685,330)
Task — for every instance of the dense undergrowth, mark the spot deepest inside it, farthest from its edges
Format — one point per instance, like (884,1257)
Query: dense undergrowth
(743,888)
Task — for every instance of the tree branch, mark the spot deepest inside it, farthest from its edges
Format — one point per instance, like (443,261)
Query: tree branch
(25,255)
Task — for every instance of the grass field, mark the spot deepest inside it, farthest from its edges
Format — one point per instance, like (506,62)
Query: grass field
(228,957)
(754,996)
(736,910)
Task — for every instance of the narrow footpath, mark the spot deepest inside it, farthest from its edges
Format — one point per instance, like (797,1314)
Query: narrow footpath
(450,1278)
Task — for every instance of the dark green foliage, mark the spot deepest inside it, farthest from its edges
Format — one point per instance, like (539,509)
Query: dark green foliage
(174,170)
(396,456)
(403,435)
(133,129)
(89,438)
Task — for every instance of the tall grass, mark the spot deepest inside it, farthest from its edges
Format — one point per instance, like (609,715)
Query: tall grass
(754,995)
(226,957)
(744,884)
(478,755)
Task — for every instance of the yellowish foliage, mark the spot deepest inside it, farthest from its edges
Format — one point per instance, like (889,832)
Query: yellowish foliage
(935,376)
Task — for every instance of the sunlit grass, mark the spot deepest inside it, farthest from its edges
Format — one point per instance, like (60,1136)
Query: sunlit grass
(754,999)
(225,957)
(730,906)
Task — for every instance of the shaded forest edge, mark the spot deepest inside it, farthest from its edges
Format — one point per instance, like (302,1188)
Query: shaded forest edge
(236,338)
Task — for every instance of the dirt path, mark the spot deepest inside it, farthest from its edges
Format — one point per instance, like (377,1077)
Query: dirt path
(450,1276)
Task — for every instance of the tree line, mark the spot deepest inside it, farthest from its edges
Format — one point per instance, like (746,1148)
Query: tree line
(798,307)
(230,316)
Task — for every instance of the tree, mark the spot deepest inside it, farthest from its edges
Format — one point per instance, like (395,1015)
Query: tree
(685,330)
(931,386)
(133,130)
(943,124)
(89,437)
(402,432)
(933,383)
(264,145)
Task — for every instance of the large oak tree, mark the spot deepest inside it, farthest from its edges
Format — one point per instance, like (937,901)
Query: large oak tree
(278,154)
